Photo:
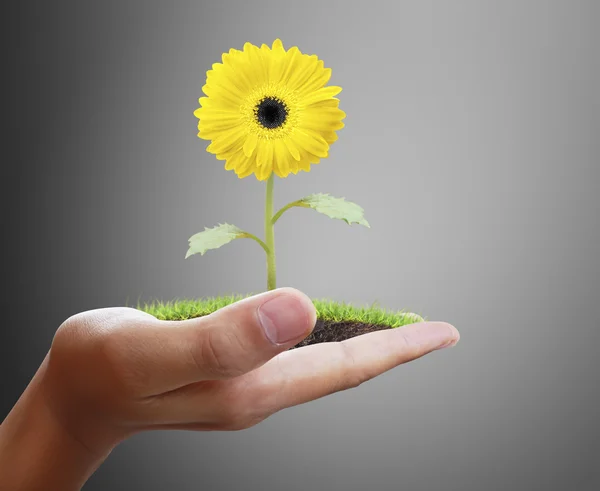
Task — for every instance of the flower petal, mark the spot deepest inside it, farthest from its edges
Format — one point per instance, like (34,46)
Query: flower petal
(264,171)
(292,148)
(246,173)
(303,73)
(278,47)
(250,144)
(291,63)
(322,119)
(318,80)
(221,95)
(230,140)
(311,142)
(264,153)
(255,67)
(224,76)
(321,94)
(281,158)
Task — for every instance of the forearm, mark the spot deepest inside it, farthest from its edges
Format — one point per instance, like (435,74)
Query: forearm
(36,451)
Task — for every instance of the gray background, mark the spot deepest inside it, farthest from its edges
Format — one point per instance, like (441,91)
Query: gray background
(472,142)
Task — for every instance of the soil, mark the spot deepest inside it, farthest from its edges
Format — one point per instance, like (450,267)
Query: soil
(328,331)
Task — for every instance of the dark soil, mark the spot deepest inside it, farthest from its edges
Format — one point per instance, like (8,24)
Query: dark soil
(328,332)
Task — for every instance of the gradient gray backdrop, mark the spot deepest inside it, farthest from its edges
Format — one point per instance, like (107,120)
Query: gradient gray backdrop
(472,142)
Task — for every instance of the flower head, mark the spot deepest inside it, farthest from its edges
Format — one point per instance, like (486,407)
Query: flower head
(268,110)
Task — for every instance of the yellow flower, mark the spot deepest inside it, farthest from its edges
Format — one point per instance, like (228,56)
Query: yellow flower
(268,110)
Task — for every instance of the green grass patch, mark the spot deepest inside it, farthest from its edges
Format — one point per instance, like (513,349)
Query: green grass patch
(328,311)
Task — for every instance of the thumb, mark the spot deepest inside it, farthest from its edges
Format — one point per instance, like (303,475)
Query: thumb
(227,343)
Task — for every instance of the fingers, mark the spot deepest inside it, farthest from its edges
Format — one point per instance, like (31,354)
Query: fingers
(162,356)
(296,377)
(311,372)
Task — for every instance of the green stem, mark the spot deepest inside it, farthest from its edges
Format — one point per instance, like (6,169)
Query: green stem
(269,235)
(287,207)
(247,235)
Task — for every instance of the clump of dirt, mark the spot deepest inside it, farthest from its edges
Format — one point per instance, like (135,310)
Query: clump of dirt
(329,331)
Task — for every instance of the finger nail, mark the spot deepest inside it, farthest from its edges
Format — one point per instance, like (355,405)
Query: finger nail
(439,335)
(284,318)
(447,345)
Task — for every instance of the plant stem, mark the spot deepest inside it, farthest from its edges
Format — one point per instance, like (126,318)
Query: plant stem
(254,237)
(269,234)
(287,207)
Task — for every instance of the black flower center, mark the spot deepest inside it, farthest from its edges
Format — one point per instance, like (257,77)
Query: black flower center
(271,112)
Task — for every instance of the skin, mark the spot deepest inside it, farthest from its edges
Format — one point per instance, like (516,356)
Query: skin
(112,373)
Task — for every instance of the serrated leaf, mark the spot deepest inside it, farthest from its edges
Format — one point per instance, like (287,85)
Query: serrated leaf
(213,238)
(337,208)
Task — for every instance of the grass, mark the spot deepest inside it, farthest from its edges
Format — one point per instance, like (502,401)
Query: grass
(336,321)
(327,310)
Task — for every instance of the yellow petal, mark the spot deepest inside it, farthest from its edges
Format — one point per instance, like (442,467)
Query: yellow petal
(222,96)
(228,140)
(263,172)
(277,62)
(256,68)
(323,118)
(245,163)
(230,163)
(311,142)
(214,123)
(316,81)
(226,78)
(246,173)
(333,102)
(320,95)
(304,165)
(328,136)
(281,158)
(264,153)
(276,168)
(278,46)
(303,71)
(292,148)
(250,144)
(243,70)
(205,102)
(231,159)
(293,166)
(321,127)
(309,158)
(245,166)
(211,133)
(291,62)
(230,57)
(216,113)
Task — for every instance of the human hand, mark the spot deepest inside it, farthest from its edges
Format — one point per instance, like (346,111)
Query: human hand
(111,373)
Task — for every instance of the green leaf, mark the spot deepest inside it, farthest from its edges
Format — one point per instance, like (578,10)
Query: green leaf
(213,238)
(337,208)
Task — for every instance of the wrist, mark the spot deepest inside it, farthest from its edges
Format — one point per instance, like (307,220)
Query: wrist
(38,451)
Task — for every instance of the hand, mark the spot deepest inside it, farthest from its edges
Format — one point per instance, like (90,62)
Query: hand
(111,373)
